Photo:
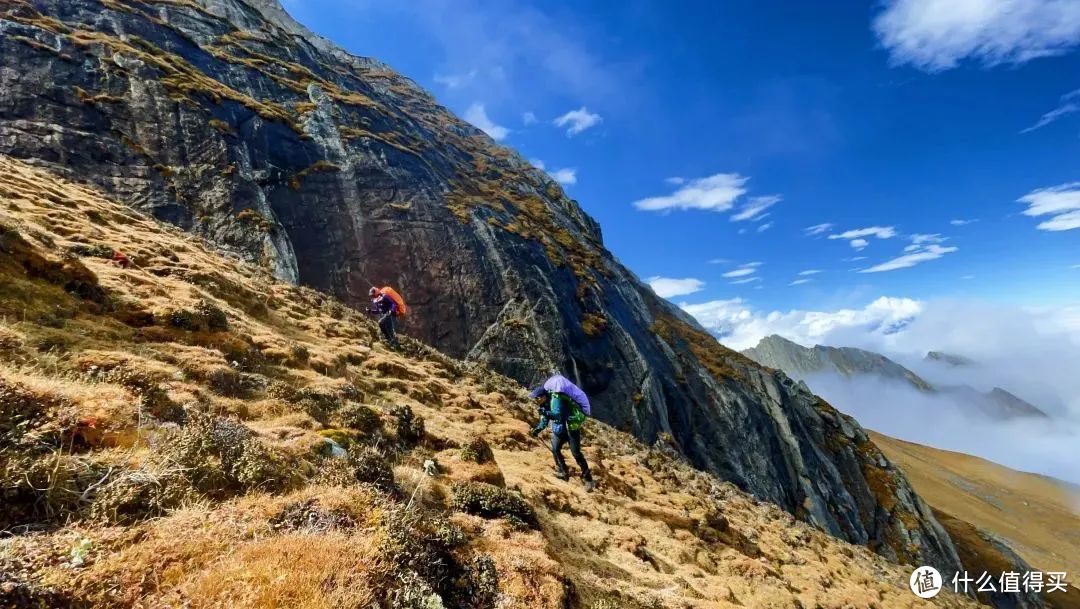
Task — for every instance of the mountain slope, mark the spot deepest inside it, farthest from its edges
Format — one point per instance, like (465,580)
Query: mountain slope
(229,120)
(167,438)
(1036,515)
(799,362)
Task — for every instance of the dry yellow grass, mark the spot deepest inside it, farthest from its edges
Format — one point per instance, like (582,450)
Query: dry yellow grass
(122,357)
(1037,516)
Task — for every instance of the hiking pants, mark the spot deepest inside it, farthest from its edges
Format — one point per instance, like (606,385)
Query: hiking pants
(386,324)
(574,439)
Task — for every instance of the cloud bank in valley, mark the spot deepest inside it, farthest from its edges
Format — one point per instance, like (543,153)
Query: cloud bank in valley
(1032,352)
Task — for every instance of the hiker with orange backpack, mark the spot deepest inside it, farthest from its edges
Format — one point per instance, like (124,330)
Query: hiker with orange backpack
(387,304)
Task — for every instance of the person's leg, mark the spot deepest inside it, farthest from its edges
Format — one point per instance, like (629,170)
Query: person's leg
(575,449)
(386,325)
(392,325)
(557,440)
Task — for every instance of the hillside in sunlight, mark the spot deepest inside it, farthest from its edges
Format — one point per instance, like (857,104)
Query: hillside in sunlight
(1036,516)
(188,431)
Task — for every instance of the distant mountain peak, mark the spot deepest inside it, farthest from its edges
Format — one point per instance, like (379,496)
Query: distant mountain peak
(949,359)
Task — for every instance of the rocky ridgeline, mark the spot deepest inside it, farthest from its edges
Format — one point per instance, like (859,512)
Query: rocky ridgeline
(229,120)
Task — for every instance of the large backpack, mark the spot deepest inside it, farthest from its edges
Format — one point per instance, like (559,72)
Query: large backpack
(577,417)
(390,293)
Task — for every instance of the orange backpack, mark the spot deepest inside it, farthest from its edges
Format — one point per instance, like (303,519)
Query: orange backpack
(389,292)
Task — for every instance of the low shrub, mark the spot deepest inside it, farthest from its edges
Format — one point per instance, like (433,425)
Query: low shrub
(359,417)
(135,495)
(204,316)
(477,451)
(490,501)
(221,457)
(409,426)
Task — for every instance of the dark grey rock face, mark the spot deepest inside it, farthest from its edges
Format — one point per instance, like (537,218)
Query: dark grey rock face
(228,119)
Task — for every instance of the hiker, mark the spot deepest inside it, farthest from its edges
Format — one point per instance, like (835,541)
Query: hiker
(566,406)
(387,304)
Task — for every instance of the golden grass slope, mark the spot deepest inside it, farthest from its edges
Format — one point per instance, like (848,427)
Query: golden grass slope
(1037,516)
(166,445)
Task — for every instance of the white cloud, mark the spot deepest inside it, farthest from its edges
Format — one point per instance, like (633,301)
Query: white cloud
(920,238)
(675,180)
(715,193)
(960,222)
(916,256)
(565,176)
(744,269)
(577,121)
(477,115)
(801,281)
(808,272)
(754,209)
(666,287)
(719,261)
(740,327)
(858,244)
(765,227)
(881,232)
(528,118)
(1061,203)
(455,81)
(935,35)
(1068,105)
(745,280)
(818,229)
(537,163)
(966,277)
(855,259)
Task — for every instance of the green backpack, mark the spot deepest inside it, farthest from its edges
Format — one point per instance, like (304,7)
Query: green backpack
(577,416)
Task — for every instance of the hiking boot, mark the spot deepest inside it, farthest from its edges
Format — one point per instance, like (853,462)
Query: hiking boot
(562,475)
(590,486)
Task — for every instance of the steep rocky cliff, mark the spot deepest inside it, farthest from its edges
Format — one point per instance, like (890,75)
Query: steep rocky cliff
(230,120)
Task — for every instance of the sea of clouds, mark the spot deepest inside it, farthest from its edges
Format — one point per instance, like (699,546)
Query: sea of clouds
(1031,352)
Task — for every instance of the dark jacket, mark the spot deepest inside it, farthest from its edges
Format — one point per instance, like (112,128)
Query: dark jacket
(383,305)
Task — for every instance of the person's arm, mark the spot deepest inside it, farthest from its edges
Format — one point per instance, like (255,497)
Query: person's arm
(545,414)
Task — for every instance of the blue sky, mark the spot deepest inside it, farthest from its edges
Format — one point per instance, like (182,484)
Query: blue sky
(708,137)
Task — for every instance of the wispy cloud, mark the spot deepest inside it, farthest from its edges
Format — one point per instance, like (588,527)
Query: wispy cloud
(455,81)
(936,35)
(801,281)
(675,180)
(1061,203)
(743,270)
(667,287)
(719,261)
(911,258)
(881,232)
(809,272)
(528,118)
(565,176)
(856,237)
(477,115)
(818,229)
(855,259)
(715,193)
(745,280)
(960,222)
(765,227)
(1070,102)
(919,241)
(577,121)
(755,208)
